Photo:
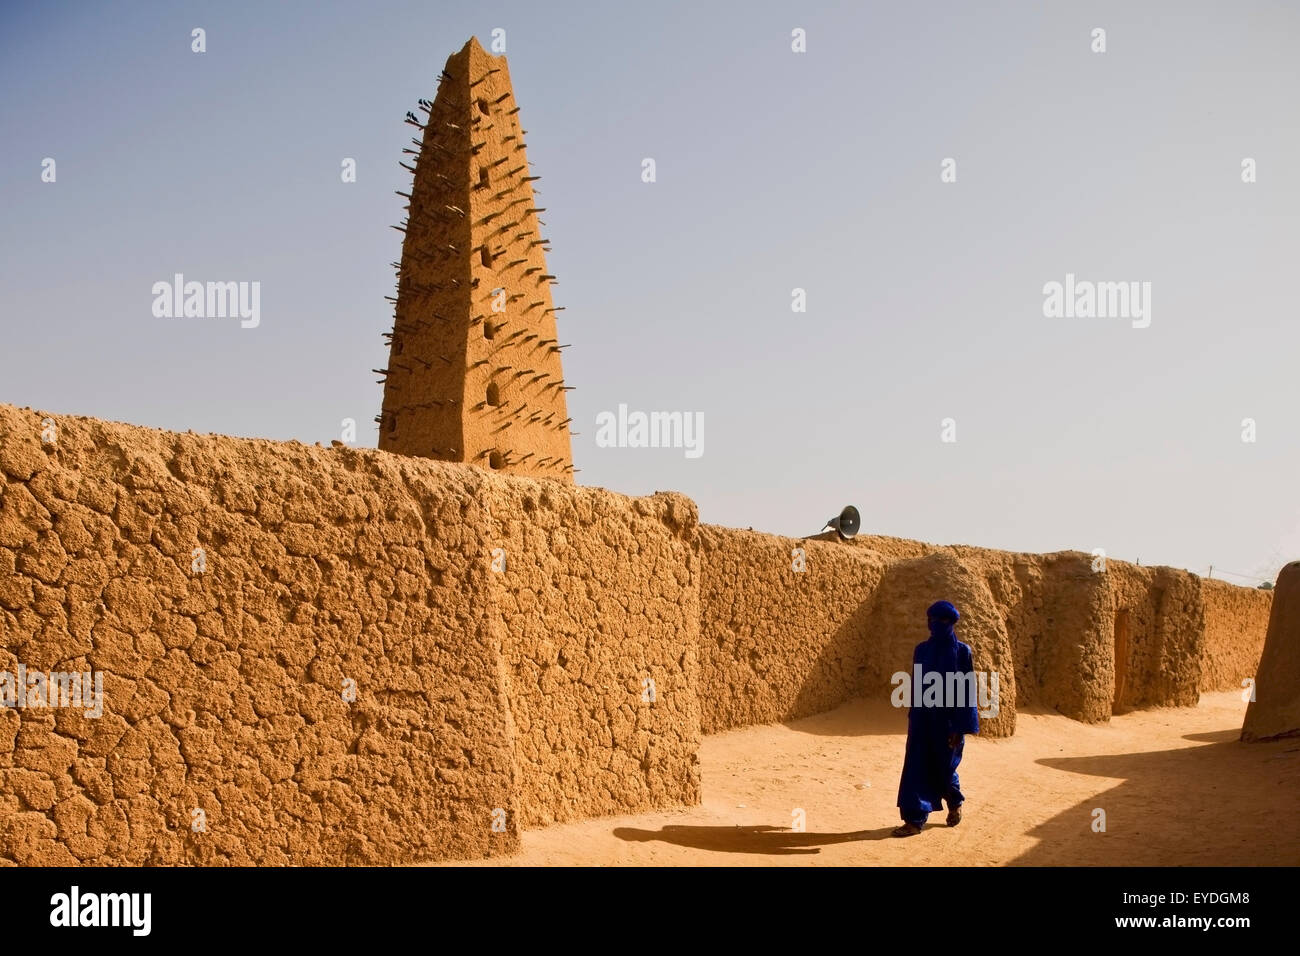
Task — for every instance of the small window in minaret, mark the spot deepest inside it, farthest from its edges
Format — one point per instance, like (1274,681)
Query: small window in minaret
(493,394)
(489,329)
(496,460)
(482,177)
(483,107)
(486,256)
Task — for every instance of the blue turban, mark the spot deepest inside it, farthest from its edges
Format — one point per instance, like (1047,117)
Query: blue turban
(944,610)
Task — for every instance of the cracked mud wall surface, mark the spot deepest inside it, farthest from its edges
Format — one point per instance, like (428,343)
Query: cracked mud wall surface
(223,689)
(1236,623)
(1059,633)
(599,606)
(776,643)
(1159,664)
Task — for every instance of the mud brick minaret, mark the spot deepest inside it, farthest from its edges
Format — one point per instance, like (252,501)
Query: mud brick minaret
(474,365)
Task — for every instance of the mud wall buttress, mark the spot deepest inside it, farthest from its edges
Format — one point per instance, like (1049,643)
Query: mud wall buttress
(1274,711)
(898,623)
(600,620)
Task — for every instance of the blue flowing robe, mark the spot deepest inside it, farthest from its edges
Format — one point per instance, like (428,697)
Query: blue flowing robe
(930,766)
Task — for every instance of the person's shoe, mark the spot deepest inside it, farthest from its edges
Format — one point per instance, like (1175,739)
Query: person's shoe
(906,830)
(954,814)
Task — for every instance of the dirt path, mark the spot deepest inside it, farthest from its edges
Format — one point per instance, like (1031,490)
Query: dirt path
(1176,786)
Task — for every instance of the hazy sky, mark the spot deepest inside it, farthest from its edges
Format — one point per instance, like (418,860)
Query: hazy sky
(776,170)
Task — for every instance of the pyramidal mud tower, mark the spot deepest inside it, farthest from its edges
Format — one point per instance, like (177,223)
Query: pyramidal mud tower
(474,363)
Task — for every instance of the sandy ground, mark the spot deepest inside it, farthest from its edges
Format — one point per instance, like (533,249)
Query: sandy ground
(1176,786)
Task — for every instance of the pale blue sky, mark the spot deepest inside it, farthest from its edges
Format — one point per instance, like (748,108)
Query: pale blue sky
(776,170)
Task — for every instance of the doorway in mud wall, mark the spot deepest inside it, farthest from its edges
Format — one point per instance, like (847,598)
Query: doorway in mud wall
(1122,653)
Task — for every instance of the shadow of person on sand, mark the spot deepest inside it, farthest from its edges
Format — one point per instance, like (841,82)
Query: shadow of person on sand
(773,841)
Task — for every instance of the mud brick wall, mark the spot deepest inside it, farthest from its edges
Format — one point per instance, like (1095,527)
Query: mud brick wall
(1236,622)
(1063,618)
(1275,711)
(1060,633)
(897,623)
(1130,637)
(1159,662)
(599,611)
(520,686)
(775,643)
(1065,623)
(224,689)
(1035,619)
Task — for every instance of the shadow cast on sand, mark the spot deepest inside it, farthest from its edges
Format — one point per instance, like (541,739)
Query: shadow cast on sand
(1224,803)
(1216,736)
(858,717)
(771,841)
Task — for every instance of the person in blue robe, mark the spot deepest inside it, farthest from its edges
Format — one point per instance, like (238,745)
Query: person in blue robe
(936,734)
